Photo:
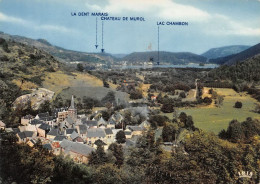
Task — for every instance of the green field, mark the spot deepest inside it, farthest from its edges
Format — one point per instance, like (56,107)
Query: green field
(214,119)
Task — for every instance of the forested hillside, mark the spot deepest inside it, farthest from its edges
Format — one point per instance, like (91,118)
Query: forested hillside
(167,57)
(23,68)
(61,53)
(224,51)
(248,70)
(239,57)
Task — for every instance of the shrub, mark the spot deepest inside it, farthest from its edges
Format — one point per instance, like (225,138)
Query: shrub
(136,95)
(105,84)
(182,95)
(238,104)
(207,100)
(80,67)
(167,108)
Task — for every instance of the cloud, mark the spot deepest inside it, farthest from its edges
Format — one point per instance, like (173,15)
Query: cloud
(209,23)
(164,9)
(46,27)
(5,18)
(54,28)
(223,25)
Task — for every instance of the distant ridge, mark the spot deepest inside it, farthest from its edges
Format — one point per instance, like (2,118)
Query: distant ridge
(60,53)
(167,57)
(239,57)
(224,51)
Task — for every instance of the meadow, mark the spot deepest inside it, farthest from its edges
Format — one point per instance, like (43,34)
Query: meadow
(214,119)
(79,85)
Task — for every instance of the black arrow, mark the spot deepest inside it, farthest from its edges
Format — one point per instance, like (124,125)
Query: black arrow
(102,50)
(96,35)
(158,62)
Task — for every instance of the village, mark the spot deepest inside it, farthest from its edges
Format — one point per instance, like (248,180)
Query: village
(65,132)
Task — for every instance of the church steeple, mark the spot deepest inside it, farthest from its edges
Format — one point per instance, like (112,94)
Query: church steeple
(72,110)
(72,103)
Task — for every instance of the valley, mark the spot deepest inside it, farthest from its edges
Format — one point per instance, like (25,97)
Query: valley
(88,115)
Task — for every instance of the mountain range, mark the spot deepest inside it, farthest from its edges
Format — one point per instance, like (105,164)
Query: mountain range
(239,57)
(60,53)
(224,55)
(75,56)
(224,51)
(166,57)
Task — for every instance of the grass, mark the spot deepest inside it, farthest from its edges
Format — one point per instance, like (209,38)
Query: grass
(214,119)
(27,85)
(57,81)
(79,85)
(145,88)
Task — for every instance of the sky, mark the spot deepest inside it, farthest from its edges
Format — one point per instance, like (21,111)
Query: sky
(211,24)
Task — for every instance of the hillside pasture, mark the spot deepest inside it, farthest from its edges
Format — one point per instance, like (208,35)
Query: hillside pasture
(214,119)
(78,84)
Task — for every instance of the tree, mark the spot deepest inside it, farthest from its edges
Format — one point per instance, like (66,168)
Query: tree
(66,171)
(183,117)
(169,132)
(159,98)
(108,174)
(189,124)
(110,97)
(120,137)
(235,132)
(117,151)
(136,95)
(89,103)
(105,84)
(219,100)
(241,132)
(4,44)
(207,100)
(257,108)
(182,94)
(238,105)
(251,128)
(22,163)
(105,115)
(167,108)
(45,107)
(98,157)
(80,67)
(158,120)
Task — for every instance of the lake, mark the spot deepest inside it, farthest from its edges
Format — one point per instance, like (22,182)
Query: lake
(190,65)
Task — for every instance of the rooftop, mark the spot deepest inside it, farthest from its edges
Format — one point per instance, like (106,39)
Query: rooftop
(89,123)
(83,129)
(25,134)
(74,135)
(45,126)
(96,132)
(60,137)
(42,115)
(71,130)
(47,146)
(135,128)
(54,132)
(108,131)
(28,117)
(36,121)
(76,147)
